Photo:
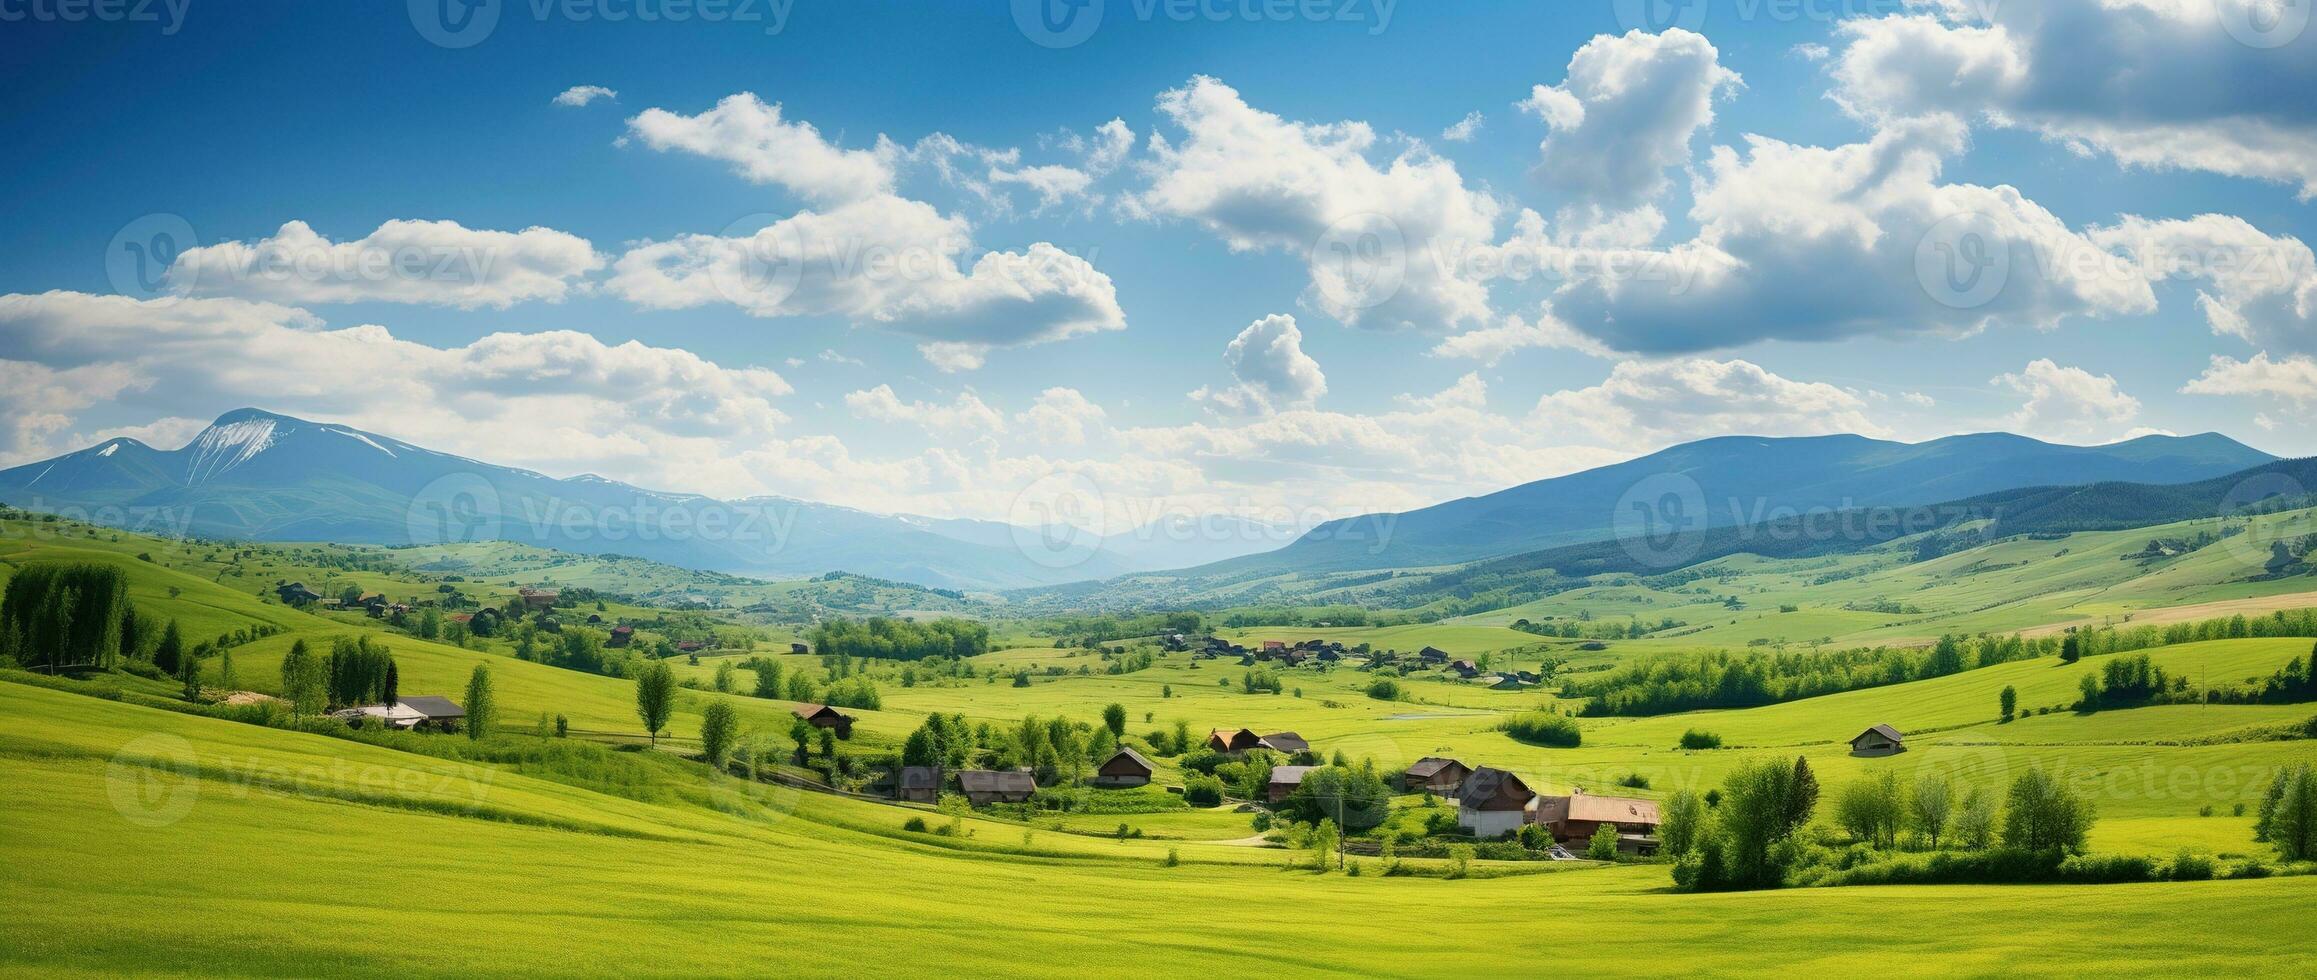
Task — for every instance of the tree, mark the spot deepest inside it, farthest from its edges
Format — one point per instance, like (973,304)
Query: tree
(2043,815)
(1353,799)
(305,681)
(225,669)
(1974,825)
(2071,649)
(2288,818)
(1759,809)
(2090,688)
(768,679)
(170,655)
(828,744)
(1114,718)
(719,726)
(192,678)
(1931,807)
(656,697)
(724,677)
(1802,797)
(800,731)
(2009,701)
(482,706)
(1325,841)
(1603,846)
(60,614)
(1870,809)
(1682,823)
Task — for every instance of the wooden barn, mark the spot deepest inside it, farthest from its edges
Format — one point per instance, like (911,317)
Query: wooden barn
(1440,777)
(823,716)
(983,787)
(1879,740)
(1126,767)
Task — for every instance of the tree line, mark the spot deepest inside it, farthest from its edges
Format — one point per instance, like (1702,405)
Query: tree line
(890,638)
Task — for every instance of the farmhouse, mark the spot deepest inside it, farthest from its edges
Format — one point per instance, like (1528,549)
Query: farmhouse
(1238,742)
(1577,816)
(1284,780)
(983,787)
(296,594)
(1879,740)
(1441,777)
(440,713)
(1125,768)
(621,636)
(1464,668)
(823,716)
(1494,803)
(1432,655)
(382,715)
(539,598)
(1274,646)
(917,784)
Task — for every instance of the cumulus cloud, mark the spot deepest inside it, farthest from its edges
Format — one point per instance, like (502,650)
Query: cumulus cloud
(579,401)
(2213,85)
(1271,369)
(1379,242)
(1063,416)
(869,255)
(967,414)
(580,95)
(2256,287)
(1625,115)
(1821,243)
(440,263)
(1463,130)
(2069,404)
(2289,384)
(1648,403)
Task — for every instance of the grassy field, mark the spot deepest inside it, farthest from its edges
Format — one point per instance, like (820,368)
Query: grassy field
(282,853)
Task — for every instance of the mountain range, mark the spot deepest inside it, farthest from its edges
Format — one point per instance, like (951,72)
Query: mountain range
(1737,481)
(257,475)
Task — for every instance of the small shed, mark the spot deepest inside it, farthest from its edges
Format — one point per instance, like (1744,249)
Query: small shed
(1126,767)
(917,784)
(823,716)
(441,714)
(1879,740)
(983,787)
(1284,780)
(1441,777)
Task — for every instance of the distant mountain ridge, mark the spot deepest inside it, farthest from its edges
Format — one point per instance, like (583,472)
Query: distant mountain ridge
(262,476)
(1740,480)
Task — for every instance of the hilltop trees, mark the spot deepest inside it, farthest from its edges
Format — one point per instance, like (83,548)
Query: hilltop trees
(360,671)
(64,614)
(655,697)
(305,681)
(900,639)
(2288,818)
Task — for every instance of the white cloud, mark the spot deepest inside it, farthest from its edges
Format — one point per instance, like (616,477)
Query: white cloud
(1490,344)
(2068,404)
(2153,83)
(1063,416)
(2259,288)
(967,414)
(1373,238)
(1817,243)
(1271,369)
(1463,130)
(580,403)
(1625,115)
(441,263)
(1651,403)
(870,255)
(766,148)
(2289,383)
(580,95)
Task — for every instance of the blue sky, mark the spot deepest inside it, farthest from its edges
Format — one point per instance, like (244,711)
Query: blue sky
(1150,324)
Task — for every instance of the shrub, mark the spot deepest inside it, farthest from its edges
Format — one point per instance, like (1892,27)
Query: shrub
(1603,846)
(1204,791)
(1387,689)
(2191,867)
(1174,857)
(1543,728)
(914,825)
(1633,780)
(1696,739)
